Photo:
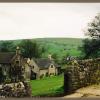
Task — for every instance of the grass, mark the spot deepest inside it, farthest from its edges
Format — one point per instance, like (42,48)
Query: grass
(48,86)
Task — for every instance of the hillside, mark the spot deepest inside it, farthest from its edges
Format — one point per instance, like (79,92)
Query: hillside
(57,46)
(61,46)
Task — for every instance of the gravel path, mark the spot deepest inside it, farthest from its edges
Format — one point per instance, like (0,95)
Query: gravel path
(90,91)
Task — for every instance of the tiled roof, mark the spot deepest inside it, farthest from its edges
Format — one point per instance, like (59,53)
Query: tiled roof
(44,63)
(5,57)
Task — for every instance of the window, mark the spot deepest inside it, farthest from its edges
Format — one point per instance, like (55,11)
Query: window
(33,67)
(51,66)
(17,61)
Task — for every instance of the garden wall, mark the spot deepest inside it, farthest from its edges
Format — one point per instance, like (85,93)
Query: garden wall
(81,73)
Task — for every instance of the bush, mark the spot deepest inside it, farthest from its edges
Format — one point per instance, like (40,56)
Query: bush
(42,76)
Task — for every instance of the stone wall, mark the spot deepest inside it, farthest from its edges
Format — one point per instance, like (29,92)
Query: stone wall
(20,89)
(81,73)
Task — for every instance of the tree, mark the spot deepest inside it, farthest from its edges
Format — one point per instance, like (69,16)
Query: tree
(6,46)
(30,48)
(64,58)
(91,45)
(55,57)
(94,28)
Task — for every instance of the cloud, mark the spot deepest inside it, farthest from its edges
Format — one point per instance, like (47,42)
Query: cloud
(37,20)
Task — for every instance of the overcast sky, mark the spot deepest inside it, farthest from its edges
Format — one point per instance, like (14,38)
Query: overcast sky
(39,20)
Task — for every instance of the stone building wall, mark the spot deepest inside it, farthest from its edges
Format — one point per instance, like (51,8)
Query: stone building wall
(52,70)
(27,72)
(43,72)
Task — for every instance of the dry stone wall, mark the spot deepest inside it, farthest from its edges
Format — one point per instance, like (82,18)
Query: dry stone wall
(81,73)
(19,89)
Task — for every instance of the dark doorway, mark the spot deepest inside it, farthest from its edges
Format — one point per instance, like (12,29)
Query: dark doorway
(1,75)
(67,83)
(33,75)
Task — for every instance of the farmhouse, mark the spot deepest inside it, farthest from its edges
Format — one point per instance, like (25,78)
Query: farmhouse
(13,66)
(43,67)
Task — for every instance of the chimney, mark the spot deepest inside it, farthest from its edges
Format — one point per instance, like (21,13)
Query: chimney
(28,60)
(50,57)
(18,52)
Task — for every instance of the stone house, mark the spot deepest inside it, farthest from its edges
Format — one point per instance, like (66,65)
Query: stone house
(13,66)
(43,67)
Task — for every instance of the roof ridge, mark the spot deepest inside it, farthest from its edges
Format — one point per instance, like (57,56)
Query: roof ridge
(7,52)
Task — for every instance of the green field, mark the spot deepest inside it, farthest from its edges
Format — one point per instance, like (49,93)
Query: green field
(48,86)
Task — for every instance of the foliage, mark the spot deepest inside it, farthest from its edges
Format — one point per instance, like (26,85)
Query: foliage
(6,46)
(30,48)
(60,48)
(94,28)
(91,46)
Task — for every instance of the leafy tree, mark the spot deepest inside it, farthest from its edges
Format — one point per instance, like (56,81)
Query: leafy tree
(94,28)
(60,59)
(55,57)
(64,58)
(7,46)
(30,48)
(91,45)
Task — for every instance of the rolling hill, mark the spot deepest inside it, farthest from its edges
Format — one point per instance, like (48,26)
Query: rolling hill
(58,46)
(61,46)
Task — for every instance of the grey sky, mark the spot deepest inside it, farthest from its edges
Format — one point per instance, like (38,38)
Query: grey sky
(37,20)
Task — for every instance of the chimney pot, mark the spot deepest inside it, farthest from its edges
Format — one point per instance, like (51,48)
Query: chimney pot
(49,56)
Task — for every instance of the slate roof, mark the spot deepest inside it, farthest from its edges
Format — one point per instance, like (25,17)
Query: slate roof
(5,57)
(44,63)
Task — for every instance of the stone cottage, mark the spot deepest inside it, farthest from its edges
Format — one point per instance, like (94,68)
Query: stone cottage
(43,67)
(13,66)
